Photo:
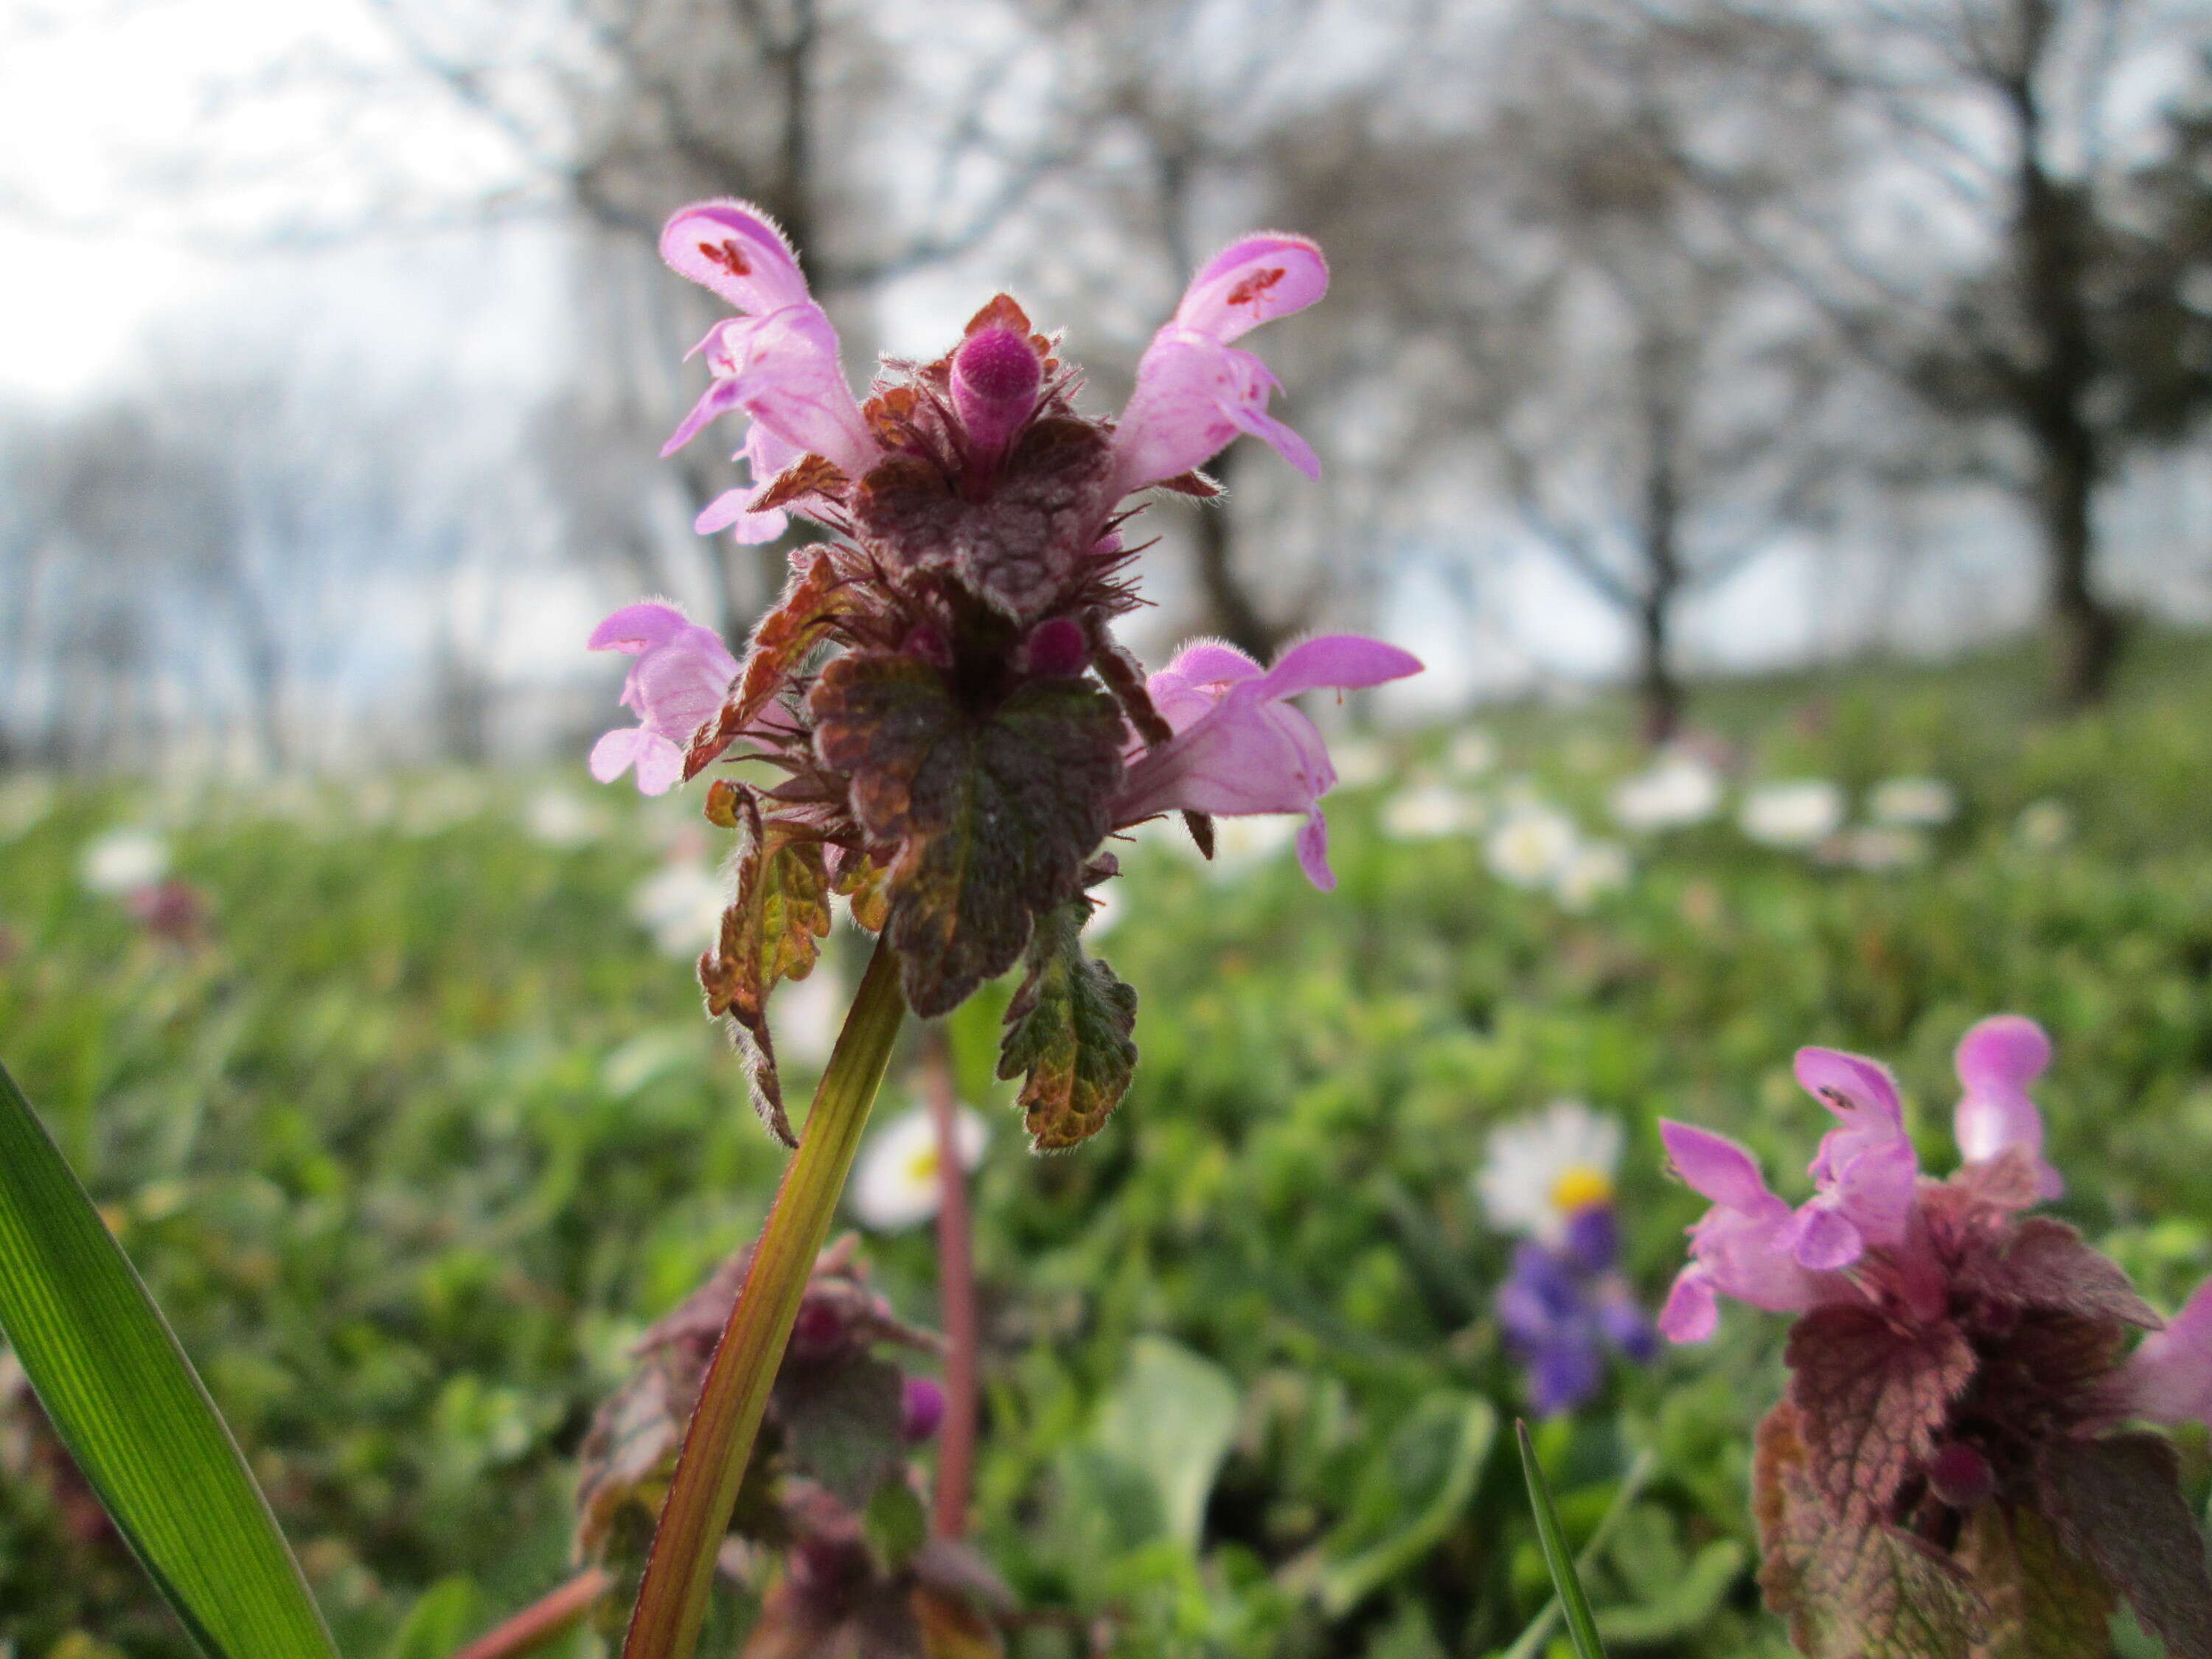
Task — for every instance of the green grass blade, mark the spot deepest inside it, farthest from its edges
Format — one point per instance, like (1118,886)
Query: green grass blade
(128,1404)
(1581,1626)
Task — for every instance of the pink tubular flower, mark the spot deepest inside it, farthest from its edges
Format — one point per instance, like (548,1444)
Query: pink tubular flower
(1865,1171)
(1194,393)
(778,362)
(1741,1247)
(2168,1379)
(1239,748)
(681,675)
(1996,1060)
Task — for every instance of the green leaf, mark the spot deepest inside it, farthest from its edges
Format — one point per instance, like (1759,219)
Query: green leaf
(1069,1030)
(1618,1516)
(126,1402)
(1582,1628)
(993,809)
(438,1623)
(1171,1417)
(1409,1497)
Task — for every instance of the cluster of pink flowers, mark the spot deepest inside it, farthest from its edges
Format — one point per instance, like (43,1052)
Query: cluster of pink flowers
(958,726)
(1951,1467)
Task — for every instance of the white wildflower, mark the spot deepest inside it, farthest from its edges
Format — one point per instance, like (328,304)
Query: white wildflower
(1799,813)
(1542,1169)
(896,1184)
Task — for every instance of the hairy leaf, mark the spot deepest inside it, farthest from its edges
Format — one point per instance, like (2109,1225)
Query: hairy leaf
(2044,1600)
(1852,1586)
(1869,1398)
(1067,1035)
(994,812)
(840,1422)
(2043,1263)
(864,884)
(1025,544)
(772,932)
(813,602)
(2118,1501)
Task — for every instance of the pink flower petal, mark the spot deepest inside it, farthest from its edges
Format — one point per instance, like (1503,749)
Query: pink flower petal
(734,248)
(734,508)
(1823,1240)
(1313,851)
(1693,1312)
(2169,1378)
(1192,396)
(1213,662)
(615,753)
(636,628)
(2005,1051)
(1253,281)
(1342,661)
(1714,1166)
(1855,1089)
(659,765)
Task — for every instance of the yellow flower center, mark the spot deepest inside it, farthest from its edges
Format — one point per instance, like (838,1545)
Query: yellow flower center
(922,1166)
(1579,1187)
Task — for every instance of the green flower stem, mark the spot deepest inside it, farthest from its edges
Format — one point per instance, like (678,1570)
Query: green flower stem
(672,1601)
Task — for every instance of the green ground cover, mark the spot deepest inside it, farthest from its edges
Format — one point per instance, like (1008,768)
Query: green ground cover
(428,1129)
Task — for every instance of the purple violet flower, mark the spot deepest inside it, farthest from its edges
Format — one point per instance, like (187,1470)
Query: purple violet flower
(1239,747)
(1563,1309)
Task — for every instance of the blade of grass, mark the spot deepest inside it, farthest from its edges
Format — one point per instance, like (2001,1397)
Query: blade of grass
(1530,1641)
(672,1601)
(1581,1626)
(125,1401)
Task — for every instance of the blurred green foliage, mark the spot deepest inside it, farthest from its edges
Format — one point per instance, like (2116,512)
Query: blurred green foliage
(427,1130)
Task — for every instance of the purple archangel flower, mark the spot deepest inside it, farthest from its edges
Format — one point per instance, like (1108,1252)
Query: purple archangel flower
(682,675)
(1195,391)
(1239,747)
(1959,1385)
(957,729)
(778,362)
(1996,1060)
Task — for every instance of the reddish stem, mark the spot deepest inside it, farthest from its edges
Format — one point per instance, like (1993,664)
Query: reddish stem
(956,1275)
(544,1620)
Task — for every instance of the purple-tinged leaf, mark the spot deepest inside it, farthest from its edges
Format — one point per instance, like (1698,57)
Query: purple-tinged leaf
(2044,1600)
(2118,1501)
(993,814)
(2042,1263)
(1870,1396)
(1067,1036)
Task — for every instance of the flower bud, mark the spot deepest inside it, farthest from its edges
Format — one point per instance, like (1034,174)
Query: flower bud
(921,1409)
(996,378)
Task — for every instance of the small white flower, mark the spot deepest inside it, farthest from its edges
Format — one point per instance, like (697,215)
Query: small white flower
(1542,1169)
(806,1015)
(680,905)
(1800,813)
(1359,763)
(2043,826)
(1428,810)
(1593,869)
(123,861)
(1877,846)
(1531,845)
(896,1184)
(1677,790)
(1471,753)
(562,818)
(1912,803)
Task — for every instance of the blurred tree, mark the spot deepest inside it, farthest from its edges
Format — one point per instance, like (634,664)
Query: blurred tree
(1659,409)
(1999,241)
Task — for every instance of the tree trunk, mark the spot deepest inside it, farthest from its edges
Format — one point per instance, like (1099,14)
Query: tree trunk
(1658,692)
(1229,610)
(2055,392)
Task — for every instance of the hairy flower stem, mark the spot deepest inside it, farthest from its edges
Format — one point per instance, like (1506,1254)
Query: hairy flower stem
(955,1274)
(544,1621)
(672,1602)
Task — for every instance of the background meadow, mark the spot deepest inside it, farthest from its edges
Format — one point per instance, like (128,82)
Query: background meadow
(419,1125)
